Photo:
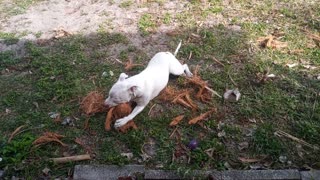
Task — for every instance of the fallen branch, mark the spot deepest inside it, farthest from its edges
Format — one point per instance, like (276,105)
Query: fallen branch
(282,133)
(71,158)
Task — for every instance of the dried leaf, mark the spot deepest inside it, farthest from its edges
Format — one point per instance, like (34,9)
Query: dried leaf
(201,117)
(176,120)
(271,42)
(129,65)
(15,132)
(53,135)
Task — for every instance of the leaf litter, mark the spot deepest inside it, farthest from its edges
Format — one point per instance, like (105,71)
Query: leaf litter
(271,41)
(130,65)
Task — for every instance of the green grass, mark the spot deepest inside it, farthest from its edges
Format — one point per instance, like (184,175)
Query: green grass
(126,4)
(15,7)
(147,24)
(55,76)
(8,38)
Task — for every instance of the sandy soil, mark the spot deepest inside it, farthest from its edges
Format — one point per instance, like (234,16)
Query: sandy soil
(82,16)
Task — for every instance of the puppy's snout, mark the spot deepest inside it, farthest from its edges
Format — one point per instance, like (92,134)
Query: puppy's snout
(106,105)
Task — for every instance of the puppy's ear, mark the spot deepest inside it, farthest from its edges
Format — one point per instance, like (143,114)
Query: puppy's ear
(133,90)
(122,76)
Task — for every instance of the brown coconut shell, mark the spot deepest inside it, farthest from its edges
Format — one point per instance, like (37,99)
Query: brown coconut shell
(118,112)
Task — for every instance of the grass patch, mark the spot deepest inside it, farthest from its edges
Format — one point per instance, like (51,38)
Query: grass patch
(55,75)
(147,24)
(8,38)
(265,142)
(126,4)
(15,7)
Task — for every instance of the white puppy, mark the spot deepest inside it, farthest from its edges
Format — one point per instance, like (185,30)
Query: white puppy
(146,85)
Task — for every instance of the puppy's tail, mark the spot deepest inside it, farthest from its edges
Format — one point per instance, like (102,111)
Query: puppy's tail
(176,51)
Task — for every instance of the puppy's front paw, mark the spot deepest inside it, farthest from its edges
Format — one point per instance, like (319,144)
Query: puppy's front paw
(119,123)
(189,74)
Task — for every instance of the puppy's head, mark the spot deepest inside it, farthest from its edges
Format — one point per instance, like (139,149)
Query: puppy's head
(120,92)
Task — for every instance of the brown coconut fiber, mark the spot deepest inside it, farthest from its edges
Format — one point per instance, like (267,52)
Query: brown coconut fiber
(93,103)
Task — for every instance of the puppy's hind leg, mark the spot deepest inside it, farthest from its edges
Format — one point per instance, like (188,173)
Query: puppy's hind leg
(176,68)
(187,70)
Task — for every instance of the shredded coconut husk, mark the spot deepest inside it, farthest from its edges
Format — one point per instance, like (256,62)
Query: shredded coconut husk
(49,137)
(93,103)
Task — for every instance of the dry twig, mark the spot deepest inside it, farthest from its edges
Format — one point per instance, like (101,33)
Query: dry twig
(282,133)
(16,131)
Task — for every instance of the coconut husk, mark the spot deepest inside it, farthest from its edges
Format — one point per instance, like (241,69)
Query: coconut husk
(93,103)
(118,112)
(49,137)
(203,94)
(201,116)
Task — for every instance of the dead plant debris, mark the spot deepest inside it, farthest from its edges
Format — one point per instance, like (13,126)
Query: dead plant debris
(271,41)
(129,65)
(15,132)
(93,103)
(48,137)
(176,120)
(60,32)
(202,116)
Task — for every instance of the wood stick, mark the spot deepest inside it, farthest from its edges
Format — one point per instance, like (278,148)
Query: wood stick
(151,109)
(71,158)
(214,92)
(234,83)
(119,61)
(282,133)
(216,60)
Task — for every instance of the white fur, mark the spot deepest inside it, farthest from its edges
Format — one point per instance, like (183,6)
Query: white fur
(146,85)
